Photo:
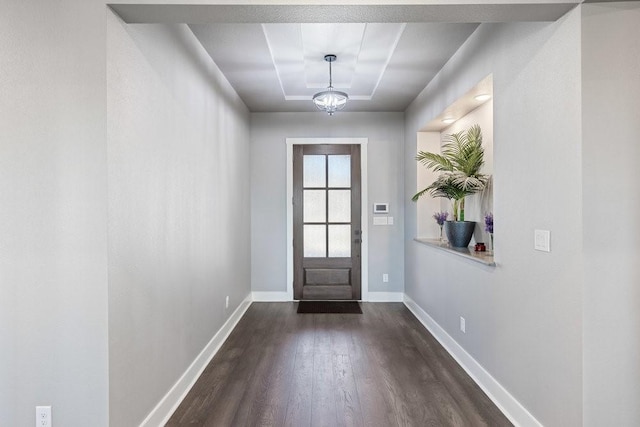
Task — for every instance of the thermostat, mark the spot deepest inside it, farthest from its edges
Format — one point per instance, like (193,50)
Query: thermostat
(381,208)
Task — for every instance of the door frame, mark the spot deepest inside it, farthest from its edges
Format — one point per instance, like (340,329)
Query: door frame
(364,255)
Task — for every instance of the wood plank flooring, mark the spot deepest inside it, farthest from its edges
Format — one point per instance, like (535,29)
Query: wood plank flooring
(380,368)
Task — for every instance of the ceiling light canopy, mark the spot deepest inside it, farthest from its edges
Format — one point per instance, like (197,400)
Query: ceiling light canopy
(330,100)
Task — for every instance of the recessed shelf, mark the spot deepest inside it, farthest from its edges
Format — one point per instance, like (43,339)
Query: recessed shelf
(480,257)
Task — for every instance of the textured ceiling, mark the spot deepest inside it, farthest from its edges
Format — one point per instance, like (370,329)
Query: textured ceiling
(278,67)
(387,53)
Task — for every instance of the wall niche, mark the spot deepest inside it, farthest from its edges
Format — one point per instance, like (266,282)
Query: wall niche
(474,107)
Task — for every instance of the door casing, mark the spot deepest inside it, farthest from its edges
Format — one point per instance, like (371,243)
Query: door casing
(290,142)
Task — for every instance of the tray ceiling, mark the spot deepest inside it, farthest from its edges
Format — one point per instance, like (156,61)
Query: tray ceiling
(279,67)
(273,55)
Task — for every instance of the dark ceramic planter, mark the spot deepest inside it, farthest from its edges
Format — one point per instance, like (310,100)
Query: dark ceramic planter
(459,233)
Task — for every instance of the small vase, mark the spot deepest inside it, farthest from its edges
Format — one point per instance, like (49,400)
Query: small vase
(491,251)
(441,238)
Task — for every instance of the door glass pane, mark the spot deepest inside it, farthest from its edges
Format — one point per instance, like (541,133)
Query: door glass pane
(340,170)
(315,241)
(339,205)
(315,206)
(339,241)
(314,171)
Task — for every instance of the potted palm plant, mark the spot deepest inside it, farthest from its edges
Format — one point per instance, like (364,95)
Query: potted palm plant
(460,162)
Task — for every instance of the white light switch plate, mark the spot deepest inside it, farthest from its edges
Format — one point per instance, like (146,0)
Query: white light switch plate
(379,220)
(542,240)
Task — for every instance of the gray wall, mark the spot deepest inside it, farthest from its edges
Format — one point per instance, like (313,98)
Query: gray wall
(268,190)
(611,151)
(178,151)
(53,213)
(54,327)
(524,317)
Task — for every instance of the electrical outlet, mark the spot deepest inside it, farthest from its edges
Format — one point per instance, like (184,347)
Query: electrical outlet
(385,278)
(43,416)
(226,302)
(463,325)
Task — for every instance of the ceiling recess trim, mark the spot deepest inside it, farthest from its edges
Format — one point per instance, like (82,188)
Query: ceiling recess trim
(364,52)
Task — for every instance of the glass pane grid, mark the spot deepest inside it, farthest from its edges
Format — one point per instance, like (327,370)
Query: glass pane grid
(327,206)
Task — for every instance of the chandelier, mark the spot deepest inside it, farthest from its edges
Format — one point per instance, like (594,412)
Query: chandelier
(330,100)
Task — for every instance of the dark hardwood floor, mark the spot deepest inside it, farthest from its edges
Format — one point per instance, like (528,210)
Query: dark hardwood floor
(379,368)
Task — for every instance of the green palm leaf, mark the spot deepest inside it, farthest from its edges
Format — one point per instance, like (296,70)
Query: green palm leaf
(461,160)
(434,161)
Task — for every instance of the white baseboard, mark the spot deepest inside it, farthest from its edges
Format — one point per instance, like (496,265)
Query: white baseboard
(384,297)
(508,404)
(170,402)
(270,296)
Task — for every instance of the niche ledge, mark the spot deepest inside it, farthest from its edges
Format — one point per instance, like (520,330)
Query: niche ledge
(479,257)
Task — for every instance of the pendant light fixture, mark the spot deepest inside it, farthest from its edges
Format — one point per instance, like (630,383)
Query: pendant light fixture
(330,100)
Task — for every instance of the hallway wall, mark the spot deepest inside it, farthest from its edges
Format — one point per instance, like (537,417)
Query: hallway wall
(53,213)
(178,154)
(523,317)
(611,150)
(268,190)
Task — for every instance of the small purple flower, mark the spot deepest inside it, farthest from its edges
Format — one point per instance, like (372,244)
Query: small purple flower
(440,217)
(488,222)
